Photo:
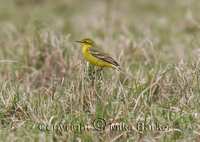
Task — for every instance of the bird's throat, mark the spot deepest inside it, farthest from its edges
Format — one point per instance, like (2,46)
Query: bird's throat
(85,48)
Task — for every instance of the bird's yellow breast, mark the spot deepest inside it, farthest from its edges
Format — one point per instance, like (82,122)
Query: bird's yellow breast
(93,60)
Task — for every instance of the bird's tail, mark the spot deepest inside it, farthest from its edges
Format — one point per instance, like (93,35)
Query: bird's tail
(117,68)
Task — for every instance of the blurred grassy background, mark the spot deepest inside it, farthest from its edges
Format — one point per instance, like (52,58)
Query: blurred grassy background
(44,79)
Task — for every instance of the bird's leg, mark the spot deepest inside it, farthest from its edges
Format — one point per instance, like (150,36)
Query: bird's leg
(99,69)
(90,70)
(99,74)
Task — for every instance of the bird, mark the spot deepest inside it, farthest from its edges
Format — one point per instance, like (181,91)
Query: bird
(96,57)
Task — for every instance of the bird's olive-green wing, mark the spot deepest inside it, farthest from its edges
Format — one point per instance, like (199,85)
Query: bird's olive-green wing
(103,56)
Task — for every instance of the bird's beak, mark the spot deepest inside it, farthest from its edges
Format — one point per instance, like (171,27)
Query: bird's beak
(78,41)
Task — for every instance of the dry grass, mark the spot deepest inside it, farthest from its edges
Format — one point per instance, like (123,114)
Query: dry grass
(46,86)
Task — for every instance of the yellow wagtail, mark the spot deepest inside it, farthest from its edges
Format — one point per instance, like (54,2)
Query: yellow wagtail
(96,57)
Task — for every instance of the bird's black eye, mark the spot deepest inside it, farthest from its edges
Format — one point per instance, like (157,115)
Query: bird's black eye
(87,41)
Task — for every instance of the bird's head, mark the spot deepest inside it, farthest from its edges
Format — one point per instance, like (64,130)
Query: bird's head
(86,41)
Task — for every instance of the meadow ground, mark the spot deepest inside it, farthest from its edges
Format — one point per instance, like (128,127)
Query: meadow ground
(46,89)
